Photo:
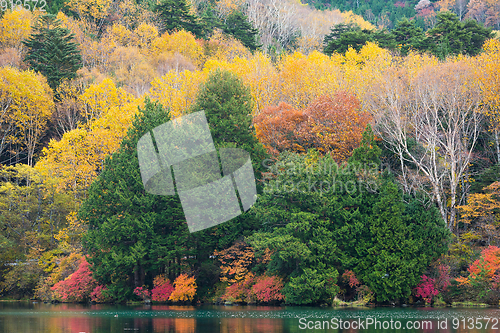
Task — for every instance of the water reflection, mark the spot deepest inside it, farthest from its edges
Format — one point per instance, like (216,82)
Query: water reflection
(57,318)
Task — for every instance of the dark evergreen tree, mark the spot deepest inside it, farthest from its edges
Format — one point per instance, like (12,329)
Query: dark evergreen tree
(55,6)
(228,106)
(208,18)
(409,36)
(294,212)
(368,153)
(451,37)
(403,239)
(175,15)
(237,25)
(52,51)
(388,266)
(336,31)
(343,36)
(133,235)
(397,238)
(372,10)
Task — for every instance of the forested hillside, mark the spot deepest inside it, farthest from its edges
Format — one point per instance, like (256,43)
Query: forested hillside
(387,13)
(376,153)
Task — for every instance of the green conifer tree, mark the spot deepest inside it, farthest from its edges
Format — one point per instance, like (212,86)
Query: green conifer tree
(133,234)
(52,51)
(175,15)
(409,36)
(238,26)
(451,37)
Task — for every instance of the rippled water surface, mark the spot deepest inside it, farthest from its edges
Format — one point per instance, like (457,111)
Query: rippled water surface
(54,318)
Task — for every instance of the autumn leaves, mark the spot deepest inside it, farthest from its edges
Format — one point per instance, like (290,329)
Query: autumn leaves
(329,124)
(26,106)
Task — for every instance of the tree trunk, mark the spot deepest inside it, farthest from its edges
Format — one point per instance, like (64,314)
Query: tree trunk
(497,145)
(136,276)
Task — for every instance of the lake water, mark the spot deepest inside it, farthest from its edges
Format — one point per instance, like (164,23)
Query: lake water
(32,317)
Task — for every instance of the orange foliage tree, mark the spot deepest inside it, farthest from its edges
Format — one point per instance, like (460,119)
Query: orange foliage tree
(483,270)
(483,211)
(329,124)
(185,289)
(235,261)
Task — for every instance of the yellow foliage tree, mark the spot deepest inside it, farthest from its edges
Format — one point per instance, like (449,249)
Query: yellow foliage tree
(144,35)
(488,73)
(94,9)
(182,42)
(15,26)
(223,47)
(119,34)
(235,261)
(351,18)
(70,237)
(226,7)
(26,106)
(304,78)
(257,72)
(483,211)
(78,157)
(97,99)
(177,90)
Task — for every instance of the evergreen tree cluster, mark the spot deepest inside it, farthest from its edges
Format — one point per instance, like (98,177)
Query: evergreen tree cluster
(139,234)
(373,10)
(450,36)
(320,219)
(176,15)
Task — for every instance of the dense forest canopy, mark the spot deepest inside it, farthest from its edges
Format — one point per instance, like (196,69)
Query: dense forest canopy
(373,130)
(386,14)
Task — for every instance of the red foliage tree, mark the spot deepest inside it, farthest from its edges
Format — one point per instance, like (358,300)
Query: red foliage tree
(426,289)
(489,261)
(444,277)
(99,295)
(162,289)
(240,291)
(268,289)
(78,286)
(142,292)
(351,279)
(282,128)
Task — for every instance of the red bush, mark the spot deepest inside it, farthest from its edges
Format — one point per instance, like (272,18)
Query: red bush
(443,281)
(98,295)
(426,289)
(142,292)
(78,286)
(162,289)
(240,291)
(351,279)
(268,289)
